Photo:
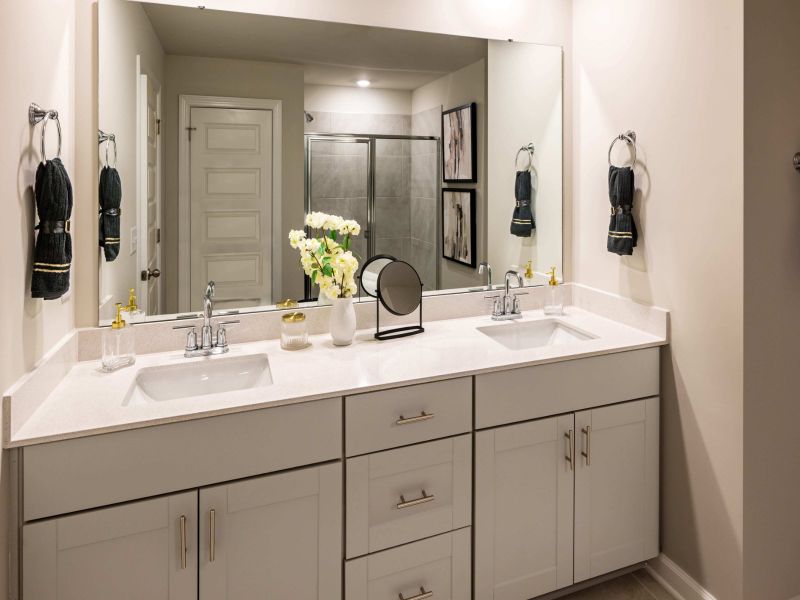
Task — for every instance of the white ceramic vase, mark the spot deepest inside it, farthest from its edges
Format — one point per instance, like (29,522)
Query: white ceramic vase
(343,321)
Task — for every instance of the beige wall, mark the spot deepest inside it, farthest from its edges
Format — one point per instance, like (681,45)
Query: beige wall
(342,99)
(771,298)
(529,110)
(125,32)
(241,79)
(456,89)
(672,72)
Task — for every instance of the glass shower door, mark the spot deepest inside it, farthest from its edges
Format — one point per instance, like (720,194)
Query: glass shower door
(338,182)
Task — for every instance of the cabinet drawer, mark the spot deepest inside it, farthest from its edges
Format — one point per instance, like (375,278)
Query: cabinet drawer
(440,565)
(71,475)
(392,418)
(402,495)
(556,388)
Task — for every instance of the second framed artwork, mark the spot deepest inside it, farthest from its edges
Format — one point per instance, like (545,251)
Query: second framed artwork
(459,144)
(458,226)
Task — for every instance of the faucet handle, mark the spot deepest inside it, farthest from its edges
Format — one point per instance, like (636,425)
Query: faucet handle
(222,334)
(191,337)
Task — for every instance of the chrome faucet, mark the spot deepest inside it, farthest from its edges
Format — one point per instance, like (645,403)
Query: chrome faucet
(488,268)
(507,307)
(209,343)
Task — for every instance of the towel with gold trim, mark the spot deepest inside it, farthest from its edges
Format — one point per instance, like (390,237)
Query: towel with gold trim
(110,211)
(52,255)
(522,222)
(622,233)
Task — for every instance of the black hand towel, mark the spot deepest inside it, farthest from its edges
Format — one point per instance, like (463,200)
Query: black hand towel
(622,234)
(522,223)
(53,252)
(110,200)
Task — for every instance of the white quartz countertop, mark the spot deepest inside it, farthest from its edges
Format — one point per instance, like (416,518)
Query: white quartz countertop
(88,401)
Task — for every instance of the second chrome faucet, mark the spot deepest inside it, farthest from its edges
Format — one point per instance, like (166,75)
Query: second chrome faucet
(209,342)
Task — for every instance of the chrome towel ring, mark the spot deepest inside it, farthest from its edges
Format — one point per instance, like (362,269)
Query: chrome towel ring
(36,114)
(629,137)
(109,139)
(529,149)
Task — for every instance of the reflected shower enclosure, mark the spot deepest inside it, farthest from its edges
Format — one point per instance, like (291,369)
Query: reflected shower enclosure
(390,185)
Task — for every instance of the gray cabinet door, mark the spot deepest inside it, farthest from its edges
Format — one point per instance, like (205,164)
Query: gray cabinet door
(145,550)
(616,487)
(524,483)
(277,536)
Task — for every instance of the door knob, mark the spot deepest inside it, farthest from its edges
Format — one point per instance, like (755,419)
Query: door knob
(150,274)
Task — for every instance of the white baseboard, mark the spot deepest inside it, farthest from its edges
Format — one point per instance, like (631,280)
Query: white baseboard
(676,581)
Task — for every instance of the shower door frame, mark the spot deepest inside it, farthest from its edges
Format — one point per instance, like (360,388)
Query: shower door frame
(371,141)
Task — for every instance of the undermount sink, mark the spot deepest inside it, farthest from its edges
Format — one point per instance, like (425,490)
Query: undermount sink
(521,335)
(212,375)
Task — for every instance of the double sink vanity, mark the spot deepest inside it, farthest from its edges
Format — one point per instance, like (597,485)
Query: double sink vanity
(478,460)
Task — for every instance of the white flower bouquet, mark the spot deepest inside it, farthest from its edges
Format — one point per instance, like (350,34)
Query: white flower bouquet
(325,253)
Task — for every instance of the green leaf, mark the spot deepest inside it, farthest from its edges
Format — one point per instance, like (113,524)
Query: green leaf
(334,233)
(314,276)
(327,270)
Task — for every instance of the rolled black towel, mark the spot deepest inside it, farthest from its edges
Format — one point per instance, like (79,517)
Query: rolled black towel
(522,222)
(53,251)
(110,201)
(622,233)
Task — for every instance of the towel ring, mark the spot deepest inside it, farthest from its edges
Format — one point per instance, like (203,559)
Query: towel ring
(529,149)
(629,137)
(108,138)
(36,114)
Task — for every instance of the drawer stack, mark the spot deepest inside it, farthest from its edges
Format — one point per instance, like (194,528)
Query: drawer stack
(409,492)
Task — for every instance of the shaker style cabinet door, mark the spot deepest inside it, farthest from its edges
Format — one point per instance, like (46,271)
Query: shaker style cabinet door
(616,487)
(277,536)
(145,550)
(524,481)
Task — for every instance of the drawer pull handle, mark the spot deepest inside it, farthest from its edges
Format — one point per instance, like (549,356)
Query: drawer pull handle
(183,541)
(570,450)
(212,535)
(423,416)
(587,454)
(415,502)
(421,596)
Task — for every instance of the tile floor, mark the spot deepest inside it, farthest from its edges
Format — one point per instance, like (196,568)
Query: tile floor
(638,585)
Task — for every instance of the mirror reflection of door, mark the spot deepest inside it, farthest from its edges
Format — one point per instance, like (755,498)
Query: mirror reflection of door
(150,199)
(231,206)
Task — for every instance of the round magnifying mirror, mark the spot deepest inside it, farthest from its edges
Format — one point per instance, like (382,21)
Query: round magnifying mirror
(400,288)
(370,272)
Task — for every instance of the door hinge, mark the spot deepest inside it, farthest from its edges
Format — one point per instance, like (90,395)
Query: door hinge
(158,126)
(190,130)
(158,235)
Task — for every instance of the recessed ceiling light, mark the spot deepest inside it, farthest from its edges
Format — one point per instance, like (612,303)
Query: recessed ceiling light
(363,83)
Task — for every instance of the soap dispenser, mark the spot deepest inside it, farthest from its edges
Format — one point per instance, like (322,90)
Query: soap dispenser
(554,299)
(132,313)
(528,276)
(118,344)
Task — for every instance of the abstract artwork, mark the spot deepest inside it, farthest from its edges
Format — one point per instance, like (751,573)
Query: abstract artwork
(459,145)
(458,226)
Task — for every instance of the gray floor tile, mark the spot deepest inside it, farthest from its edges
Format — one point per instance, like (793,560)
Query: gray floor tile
(633,586)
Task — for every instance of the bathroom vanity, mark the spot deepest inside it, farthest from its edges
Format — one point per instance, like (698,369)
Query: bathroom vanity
(452,465)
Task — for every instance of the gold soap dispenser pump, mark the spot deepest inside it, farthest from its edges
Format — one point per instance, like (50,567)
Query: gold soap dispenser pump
(554,298)
(132,313)
(118,344)
(529,274)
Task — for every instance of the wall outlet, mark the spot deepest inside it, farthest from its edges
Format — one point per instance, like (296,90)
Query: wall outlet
(134,239)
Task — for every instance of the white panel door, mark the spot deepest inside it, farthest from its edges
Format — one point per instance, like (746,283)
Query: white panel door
(524,482)
(149,222)
(133,551)
(277,536)
(231,206)
(616,487)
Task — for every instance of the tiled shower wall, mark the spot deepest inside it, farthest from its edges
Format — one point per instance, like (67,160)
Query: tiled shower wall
(425,196)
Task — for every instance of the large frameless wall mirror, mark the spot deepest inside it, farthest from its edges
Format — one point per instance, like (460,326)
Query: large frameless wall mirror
(231,127)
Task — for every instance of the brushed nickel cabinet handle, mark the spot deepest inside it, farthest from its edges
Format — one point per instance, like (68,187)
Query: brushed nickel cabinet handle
(423,416)
(587,454)
(416,501)
(421,596)
(570,450)
(183,541)
(212,534)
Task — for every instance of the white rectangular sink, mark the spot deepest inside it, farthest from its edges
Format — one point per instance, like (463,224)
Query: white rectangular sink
(213,375)
(521,335)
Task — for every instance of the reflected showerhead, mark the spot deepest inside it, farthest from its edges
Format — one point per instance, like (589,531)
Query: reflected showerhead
(309,116)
